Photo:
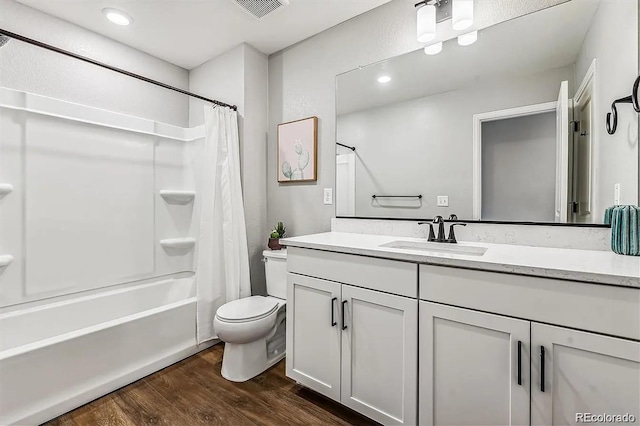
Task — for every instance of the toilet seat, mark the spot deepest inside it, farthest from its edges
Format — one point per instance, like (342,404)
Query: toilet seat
(248,309)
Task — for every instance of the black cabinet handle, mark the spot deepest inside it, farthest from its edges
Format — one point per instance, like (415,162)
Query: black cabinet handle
(344,304)
(519,362)
(541,368)
(333,317)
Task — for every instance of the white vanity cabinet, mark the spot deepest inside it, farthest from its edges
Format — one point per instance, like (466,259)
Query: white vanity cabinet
(355,341)
(582,373)
(469,360)
(474,367)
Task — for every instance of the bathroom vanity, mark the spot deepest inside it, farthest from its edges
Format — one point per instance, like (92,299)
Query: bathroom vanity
(408,332)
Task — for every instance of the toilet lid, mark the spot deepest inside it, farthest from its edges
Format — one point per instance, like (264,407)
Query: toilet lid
(247,309)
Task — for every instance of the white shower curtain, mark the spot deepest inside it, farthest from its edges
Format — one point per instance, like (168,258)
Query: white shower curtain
(222,273)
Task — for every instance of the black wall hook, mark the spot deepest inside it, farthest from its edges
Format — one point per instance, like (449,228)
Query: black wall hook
(612,117)
(634,95)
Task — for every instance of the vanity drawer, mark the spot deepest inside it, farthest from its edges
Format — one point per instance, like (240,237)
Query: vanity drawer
(586,306)
(390,276)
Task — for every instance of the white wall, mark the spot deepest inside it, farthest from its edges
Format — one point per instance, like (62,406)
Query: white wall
(613,40)
(425,146)
(239,77)
(518,168)
(36,70)
(302,84)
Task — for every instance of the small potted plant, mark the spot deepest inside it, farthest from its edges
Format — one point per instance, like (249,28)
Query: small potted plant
(274,238)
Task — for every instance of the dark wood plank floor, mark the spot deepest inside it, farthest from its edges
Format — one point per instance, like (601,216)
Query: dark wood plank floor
(192,392)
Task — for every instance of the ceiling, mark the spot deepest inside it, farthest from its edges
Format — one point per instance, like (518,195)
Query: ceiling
(188,33)
(533,43)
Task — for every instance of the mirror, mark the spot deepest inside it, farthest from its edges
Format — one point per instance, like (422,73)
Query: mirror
(510,128)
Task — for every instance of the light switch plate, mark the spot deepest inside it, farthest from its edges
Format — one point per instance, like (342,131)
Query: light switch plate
(616,194)
(443,201)
(328,195)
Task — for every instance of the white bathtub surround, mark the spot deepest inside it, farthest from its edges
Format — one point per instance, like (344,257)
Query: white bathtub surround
(222,258)
(570,237)
(570,264)
(58,356)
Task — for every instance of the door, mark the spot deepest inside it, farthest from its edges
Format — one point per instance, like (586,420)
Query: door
(474,368)
(562,154)
(379,355)
(580,373)
(313,334)
(346,184)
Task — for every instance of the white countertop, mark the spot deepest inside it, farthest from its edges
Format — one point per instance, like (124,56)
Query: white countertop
(568,264)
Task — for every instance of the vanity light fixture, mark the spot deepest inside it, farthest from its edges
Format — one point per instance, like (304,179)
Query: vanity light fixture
(432,12)
(433,49)
(426,23)
(462,14)
(384,79)
(116,16)
(468,38)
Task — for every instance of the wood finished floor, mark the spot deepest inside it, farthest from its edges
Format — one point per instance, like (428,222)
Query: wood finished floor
(192,392)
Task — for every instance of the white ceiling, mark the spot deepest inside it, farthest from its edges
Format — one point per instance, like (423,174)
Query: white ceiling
(188,33)
(540,41)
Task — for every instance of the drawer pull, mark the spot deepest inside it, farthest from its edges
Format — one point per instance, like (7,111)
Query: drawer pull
(541,368)
(333,318)
(519,362)
(344,308)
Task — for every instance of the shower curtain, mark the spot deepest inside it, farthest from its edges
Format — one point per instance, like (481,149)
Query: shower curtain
(222,273)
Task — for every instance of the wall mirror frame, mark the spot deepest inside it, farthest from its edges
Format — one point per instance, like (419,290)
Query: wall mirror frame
(509,130)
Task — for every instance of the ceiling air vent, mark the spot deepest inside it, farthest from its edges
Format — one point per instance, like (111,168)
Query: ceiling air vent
(261,8)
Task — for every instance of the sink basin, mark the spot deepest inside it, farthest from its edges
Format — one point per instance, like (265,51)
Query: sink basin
(445,248)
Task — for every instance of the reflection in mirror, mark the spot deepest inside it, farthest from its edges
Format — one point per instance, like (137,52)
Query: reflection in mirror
(510,128)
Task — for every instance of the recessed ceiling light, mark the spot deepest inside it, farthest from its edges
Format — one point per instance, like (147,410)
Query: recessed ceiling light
(384,79)
(433,49)
(468,38)
(116,16)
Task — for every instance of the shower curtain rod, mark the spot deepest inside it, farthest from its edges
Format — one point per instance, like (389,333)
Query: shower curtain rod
(109,67)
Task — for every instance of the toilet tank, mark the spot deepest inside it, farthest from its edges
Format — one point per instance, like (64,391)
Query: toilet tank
(275,268)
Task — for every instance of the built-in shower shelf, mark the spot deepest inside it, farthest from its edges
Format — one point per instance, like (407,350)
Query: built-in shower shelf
(5,188)
(177,197)
(5,260)
(178,243)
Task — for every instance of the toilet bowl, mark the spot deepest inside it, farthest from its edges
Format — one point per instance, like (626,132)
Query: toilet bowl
(253,328)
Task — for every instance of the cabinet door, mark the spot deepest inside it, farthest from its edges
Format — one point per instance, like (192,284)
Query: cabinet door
(313,334)
(379,355)
(582,373)
(474,367)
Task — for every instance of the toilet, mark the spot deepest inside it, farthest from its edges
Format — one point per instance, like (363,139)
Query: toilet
(253,328)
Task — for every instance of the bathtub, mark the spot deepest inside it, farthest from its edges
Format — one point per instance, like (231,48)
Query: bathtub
(58,356)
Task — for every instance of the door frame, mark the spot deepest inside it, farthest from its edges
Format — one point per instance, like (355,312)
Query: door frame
(587,90)
(485,117)
(350,160)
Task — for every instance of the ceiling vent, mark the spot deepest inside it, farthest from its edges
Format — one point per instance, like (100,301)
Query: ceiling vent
(261,8)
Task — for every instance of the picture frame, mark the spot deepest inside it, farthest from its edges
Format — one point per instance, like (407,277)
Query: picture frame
(298,151)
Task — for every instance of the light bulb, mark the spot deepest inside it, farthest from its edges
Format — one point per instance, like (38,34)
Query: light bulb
(384,79)
(116,16)
(426,23)
(468,38)
(462,14)
(433,49)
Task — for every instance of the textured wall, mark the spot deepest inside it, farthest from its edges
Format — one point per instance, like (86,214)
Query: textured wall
(36,70)
(302,84)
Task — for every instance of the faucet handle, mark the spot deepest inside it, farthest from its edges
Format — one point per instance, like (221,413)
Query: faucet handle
(432,236)
(438,219)
(453,216)
(452,235)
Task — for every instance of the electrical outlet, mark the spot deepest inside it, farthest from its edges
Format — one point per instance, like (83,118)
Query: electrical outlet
(443,201)
(616,194)
(328,195)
